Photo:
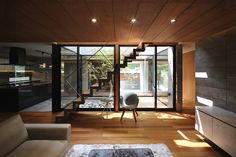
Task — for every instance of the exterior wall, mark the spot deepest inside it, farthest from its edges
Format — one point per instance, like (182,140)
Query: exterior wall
(216,56)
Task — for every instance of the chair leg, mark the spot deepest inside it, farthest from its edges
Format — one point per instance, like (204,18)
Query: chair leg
(136,112)
(109,107)
(122,115)
(134,115)
(104,109)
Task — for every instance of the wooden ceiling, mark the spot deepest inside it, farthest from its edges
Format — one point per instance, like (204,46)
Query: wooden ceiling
(70,20)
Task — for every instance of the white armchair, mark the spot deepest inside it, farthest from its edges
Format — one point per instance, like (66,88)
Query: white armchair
(129,101)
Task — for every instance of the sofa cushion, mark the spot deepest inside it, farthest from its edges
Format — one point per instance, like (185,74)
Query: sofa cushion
(49,131)
(41,148)
(12,134)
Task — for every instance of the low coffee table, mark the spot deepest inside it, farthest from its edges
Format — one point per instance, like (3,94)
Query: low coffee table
(135,152)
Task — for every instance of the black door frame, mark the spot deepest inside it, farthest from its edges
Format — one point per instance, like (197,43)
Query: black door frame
(155,81)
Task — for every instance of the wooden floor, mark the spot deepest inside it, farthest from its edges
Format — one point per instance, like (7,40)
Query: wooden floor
(173,129)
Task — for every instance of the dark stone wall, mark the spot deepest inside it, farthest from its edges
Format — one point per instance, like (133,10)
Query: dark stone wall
(216,55)
(179,77)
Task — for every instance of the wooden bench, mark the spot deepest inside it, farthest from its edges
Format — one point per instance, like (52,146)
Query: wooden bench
(86,94)
(94,86)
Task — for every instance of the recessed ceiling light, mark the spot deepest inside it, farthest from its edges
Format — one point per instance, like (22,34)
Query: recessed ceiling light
(133,20)
(172,21)
(94,20)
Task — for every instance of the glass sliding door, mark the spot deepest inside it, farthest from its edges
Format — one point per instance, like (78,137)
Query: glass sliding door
(97,81)
(138,76)
(149,75)
(164,77)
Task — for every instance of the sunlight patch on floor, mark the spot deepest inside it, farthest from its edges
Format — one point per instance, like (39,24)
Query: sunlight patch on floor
(187,142)
(112,115)
(168,116)
(183,135)
(199,136)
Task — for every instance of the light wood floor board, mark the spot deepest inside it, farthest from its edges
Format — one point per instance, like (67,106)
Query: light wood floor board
(176,130)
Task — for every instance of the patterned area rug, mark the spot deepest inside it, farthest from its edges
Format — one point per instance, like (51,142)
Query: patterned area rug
(131,152)
(119,150)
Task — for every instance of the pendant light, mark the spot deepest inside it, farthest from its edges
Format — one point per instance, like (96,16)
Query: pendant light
(42,65)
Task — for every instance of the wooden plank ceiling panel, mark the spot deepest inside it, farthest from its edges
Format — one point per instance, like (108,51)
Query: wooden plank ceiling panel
(3,14)
(3,10)
(124,11)
(213,27)
(221,17)
(81,15)
(70,20)
(197,24)
(42,21)
(20,27)
(146,14)
(198,8)
(57,14)
(102,10)
(171,10)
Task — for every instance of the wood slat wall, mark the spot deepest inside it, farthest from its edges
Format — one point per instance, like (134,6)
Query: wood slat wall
(189,77)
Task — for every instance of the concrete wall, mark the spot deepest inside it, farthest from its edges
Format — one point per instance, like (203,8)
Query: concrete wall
(216,56)
(179,79)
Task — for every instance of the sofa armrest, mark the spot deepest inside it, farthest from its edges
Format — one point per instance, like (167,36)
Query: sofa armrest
(49,131)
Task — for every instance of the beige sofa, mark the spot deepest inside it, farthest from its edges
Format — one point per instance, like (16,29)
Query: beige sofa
(33,140)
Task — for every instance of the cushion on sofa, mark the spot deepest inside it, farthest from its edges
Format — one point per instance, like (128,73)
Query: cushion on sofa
(41,148)
(48,131)
(12,134)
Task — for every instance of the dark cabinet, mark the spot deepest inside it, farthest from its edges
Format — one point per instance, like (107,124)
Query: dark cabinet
(17,98)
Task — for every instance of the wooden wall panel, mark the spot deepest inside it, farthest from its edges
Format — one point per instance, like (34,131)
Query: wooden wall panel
(189,77)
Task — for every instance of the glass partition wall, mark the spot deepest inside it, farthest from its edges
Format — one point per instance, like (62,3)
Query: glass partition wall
(68,75)
(87,71)
(97,81)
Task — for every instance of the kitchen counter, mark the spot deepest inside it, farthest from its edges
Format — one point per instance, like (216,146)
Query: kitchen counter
(15,97)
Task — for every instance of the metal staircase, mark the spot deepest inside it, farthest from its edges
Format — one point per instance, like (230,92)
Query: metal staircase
(141,47)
